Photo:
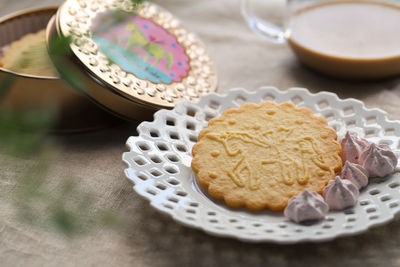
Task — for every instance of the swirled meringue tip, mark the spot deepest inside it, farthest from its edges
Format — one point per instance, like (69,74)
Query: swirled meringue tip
(307,206)
(378,160)
(355,173)
(340,194)
(352,147)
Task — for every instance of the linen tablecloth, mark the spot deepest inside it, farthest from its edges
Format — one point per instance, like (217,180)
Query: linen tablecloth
(243,59)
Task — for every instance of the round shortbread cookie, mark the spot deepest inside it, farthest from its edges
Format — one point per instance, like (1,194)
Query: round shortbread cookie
(260,155)
(29,56)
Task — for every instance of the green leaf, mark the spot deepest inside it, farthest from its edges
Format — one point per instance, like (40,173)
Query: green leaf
(5,85)
(64,221)
(22,132)
(61,55)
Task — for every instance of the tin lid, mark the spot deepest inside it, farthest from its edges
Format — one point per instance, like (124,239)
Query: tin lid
(137,58)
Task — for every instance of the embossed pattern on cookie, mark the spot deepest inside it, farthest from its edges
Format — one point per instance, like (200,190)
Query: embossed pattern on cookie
(260,155)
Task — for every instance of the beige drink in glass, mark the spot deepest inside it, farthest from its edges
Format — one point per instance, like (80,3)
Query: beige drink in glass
(345,39)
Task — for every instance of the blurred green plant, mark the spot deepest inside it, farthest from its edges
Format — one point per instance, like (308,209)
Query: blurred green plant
(59,51)
(68,210)
(21,133)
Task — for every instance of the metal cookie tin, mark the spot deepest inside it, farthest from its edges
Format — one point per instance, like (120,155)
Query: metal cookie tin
(133,59)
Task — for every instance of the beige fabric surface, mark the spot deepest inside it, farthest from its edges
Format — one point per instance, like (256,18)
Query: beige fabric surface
(243,59)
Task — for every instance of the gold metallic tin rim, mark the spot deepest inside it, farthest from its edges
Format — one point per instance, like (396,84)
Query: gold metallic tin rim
(97,92)
(74,16)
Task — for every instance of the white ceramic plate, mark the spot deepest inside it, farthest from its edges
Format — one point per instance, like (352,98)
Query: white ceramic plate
(159,166)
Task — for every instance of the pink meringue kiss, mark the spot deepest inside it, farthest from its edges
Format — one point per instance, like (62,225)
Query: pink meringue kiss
(306,206)
(340,194)
(355,173)
(378,160)
(352,147)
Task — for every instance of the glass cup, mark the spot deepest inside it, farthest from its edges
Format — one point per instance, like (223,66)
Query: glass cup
(350,39)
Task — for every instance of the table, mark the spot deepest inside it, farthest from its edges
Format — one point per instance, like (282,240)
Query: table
(243,59)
